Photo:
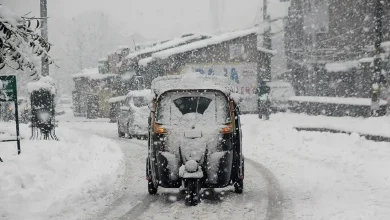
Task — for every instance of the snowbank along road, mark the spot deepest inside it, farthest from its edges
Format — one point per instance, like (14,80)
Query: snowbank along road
(92,174)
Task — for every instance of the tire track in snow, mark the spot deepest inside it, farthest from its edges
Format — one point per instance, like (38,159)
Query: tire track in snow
(274,205)
(275,195)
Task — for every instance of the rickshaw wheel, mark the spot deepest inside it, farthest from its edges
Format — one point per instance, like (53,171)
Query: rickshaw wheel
(192,198)
(151,188)
(239,186)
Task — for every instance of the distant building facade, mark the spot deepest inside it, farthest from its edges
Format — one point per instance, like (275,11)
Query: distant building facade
(330,46)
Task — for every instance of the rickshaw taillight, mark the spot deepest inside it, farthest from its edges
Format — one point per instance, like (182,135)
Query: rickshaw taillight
(160,130)
(227,130)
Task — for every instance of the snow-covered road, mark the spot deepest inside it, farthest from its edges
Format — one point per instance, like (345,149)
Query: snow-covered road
(262,198)
(289,175)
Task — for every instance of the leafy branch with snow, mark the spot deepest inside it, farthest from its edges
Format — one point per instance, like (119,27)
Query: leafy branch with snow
(19,41)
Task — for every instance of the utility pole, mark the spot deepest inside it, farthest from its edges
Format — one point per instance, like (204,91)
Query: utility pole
(376,82)
(44,33)
(267,43)
(263,104)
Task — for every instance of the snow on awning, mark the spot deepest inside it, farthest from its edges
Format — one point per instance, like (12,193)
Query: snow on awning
(92,74)
(117,99)
(171,43)
(341,66)
(192,81)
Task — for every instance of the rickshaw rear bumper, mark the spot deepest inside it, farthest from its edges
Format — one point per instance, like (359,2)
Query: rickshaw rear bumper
(216,176)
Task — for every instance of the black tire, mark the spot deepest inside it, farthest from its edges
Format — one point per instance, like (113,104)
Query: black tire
(192,198)
(152,189)
(239,184)
(120,134)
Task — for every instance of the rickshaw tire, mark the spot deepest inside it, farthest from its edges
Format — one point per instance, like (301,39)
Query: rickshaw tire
(239,186)
(151,188)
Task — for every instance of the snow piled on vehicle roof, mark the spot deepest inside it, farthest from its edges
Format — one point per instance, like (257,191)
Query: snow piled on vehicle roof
(192,81)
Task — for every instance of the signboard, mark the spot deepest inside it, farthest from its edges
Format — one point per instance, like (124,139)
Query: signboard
(8,93)
(8,88)
(243,74)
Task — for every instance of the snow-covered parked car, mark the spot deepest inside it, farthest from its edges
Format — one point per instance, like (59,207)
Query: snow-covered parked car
(195,135)
(134,113)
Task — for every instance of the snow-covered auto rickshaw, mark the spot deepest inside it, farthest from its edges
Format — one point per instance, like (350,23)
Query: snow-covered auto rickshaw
(195,135)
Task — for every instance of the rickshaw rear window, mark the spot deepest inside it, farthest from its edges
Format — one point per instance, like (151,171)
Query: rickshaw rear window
(210,106)
(192,104)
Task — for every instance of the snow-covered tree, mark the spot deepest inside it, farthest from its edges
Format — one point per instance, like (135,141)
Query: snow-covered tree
(20,41)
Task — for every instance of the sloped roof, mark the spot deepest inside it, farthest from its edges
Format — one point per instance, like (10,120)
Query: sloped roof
(168,44)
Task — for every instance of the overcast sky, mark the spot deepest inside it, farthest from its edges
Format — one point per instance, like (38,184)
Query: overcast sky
(152,18)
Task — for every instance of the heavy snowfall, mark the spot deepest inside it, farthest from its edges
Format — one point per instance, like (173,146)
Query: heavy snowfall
(206,109)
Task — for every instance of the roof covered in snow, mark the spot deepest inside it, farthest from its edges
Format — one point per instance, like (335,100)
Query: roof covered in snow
(92,74)
(171,43)
(192,81)
(213,41)
(205,43)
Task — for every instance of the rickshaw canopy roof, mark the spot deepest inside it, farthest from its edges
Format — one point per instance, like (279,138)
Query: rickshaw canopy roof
(192,81)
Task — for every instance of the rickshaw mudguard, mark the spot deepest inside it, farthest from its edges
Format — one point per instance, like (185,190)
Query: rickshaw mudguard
(168,178)
(223,173)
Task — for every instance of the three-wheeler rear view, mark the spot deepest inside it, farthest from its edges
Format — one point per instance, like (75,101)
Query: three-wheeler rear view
(194,136)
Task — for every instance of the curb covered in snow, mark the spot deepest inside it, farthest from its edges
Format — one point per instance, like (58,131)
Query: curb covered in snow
(370,137)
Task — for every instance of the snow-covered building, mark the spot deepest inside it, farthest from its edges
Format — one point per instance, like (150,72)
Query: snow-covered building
(235,55)
(330,46)
(92,92)
(131,71)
